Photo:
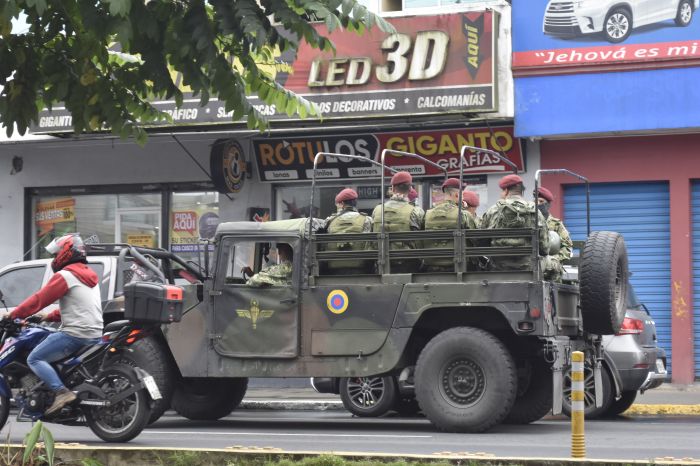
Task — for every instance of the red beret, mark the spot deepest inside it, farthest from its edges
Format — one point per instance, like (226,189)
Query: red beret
(545,194)
(346,194)
(451,183)
(509,180)
(401,177)
(471,198)
(412,195)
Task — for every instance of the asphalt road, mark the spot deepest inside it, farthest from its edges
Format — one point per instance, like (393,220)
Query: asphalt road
(640,438)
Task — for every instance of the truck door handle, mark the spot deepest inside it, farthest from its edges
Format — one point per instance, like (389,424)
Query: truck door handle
(288,301)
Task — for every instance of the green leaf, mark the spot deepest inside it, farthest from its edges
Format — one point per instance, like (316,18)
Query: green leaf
(49,444)
(33,435)
(291,106)
(119,7)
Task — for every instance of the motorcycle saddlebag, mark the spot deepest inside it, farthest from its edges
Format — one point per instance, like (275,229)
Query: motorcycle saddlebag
(148,302)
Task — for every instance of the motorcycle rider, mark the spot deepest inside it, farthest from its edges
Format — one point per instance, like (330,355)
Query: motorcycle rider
(75,286)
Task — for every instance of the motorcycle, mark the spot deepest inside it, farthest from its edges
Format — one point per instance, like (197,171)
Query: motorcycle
(113,399)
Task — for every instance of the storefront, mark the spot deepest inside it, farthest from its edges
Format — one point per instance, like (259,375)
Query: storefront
(607,111)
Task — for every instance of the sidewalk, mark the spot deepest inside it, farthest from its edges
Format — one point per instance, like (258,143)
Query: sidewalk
(668,399)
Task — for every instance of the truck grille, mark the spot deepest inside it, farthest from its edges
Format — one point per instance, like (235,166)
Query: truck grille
(561,7)
(560,21)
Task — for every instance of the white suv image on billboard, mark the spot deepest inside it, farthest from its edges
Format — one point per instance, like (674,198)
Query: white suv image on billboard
(615,19)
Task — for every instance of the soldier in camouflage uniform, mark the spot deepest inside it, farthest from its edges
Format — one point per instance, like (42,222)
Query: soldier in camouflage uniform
(278,274)
(445,216)
(553,269)
(347,219)
(400,215)
(470,200)
(513,211)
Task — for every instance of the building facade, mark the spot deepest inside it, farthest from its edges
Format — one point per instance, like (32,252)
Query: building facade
(621,109)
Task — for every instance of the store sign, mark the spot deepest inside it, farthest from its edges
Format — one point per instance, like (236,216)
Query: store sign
(431,65)
(228,165)
(560,36)
(142,241)
(291,158)
(48,213)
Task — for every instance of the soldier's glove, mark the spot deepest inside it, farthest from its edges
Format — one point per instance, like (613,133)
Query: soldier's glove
(247,272)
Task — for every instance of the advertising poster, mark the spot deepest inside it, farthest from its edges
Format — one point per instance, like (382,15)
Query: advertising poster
(432,65)
(141,240)
(550,36)
(187,226)
(291,158)
(49,214)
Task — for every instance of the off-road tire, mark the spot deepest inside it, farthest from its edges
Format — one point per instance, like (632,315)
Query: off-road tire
(534,397)
(208,399)
(383,387)
(618,13)
(465,380)
(4,410)
(603,275)
(685,7)
(150,355)
(140,400)
(618,407)
(590,409)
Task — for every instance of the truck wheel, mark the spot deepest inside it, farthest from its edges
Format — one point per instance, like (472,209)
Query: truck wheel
(150,355)
(623,404)
(368,396)
(208,399)
(465,380)
(589,408)
(534,398)
(603,275)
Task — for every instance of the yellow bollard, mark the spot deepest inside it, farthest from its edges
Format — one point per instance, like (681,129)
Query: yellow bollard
(578,437)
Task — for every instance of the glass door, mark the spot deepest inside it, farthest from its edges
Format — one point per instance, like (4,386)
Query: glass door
(139,227)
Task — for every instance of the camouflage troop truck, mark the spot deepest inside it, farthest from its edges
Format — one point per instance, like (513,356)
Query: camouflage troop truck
(481,346)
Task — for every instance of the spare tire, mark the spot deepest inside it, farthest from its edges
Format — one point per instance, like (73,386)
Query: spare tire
(603,275)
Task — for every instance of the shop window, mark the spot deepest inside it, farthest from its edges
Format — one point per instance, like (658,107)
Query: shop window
(293,201)
(99,218)
(18,284)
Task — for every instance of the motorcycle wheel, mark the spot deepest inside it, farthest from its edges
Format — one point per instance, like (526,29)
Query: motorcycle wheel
(125,419)
(4,410)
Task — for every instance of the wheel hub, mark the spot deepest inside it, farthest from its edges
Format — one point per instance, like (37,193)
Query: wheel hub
(462,382)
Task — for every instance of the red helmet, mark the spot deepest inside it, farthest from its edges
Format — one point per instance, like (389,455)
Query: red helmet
(67,249)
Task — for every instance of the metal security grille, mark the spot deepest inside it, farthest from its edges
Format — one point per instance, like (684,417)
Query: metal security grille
(696,273)
(641,212)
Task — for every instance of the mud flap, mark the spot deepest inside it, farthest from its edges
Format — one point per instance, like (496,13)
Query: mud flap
(560,353)
(598,378)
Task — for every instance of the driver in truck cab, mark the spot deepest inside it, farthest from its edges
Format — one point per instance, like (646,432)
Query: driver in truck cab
(279,274)
(74,286)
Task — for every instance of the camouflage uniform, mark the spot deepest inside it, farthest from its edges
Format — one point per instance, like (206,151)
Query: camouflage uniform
(415,220)
(400,216)
(348,220)
(274,275)
(493,219)
(553,268)
(444,216)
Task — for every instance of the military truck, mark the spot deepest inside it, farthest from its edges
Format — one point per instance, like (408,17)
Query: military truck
(481,346)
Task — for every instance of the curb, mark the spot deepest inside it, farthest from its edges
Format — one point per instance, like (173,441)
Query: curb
(128,456)
(337,405)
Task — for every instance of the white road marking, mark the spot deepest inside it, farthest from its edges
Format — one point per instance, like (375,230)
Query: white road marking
(278,434)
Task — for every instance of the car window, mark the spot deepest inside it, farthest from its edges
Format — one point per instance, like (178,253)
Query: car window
(18,284)
(99,269)
(632,300)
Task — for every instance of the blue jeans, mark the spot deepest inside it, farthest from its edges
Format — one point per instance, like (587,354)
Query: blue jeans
(55,347)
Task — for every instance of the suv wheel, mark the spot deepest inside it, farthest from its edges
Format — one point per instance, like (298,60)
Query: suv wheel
(589,408)
(685,13)
(368,396)
(618,25)
(618,407)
